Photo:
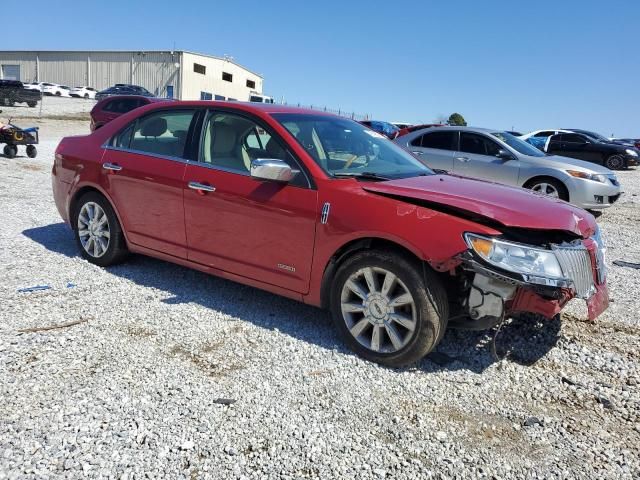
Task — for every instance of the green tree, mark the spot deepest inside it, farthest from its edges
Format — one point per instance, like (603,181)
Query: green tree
(457,119)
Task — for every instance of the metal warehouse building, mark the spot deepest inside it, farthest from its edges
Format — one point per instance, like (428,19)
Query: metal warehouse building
(174,74)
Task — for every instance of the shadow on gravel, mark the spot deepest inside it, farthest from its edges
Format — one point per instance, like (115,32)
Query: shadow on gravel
(523,341)
(56,237)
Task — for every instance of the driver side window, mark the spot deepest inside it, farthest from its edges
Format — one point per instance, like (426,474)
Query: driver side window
(231,142)
(474,143)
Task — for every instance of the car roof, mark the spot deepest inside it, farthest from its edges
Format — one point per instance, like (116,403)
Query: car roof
(263,107)
(461,128)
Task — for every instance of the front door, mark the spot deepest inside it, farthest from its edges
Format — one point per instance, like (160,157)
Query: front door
(477,157)
(143,172)
(256,229)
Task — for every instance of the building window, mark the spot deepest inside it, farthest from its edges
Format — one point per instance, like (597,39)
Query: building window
(205,96)
(251,84)
(227,77)
(220,97)
(199,68)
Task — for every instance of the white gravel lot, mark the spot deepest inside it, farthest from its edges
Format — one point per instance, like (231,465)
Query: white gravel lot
(52,107)
(139,389)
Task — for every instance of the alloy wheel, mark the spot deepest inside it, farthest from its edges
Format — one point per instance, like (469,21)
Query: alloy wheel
(615,162)
(93,229)
(378,309)
(546,189)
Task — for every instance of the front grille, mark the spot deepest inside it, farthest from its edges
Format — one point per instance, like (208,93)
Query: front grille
(575,262)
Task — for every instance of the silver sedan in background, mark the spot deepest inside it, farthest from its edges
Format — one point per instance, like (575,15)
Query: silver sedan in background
(500,157)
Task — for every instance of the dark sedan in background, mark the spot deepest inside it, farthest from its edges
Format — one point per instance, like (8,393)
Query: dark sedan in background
(593,148)
(124,89)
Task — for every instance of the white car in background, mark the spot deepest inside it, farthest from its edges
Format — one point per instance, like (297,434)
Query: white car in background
(83,92)
(540,138)
(54,89)
(33,86)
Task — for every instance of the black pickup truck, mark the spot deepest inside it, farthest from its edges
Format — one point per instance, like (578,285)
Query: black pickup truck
(12,92)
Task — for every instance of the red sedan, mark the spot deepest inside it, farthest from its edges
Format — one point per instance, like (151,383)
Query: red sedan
(112,107)
(324,210)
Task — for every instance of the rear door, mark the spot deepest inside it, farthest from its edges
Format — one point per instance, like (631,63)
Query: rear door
(573,145)
(436,149)
(256,229)
(143,172)
(478,157)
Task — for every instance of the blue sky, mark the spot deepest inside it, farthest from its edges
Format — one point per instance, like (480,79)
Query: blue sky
(501,64)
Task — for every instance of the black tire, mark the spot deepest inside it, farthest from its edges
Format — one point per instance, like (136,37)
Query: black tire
(86,96)
(116,250)
(10,151)
(429,296)
(58,94)
(32,104)
(615,162)
(32,151)
(563,193)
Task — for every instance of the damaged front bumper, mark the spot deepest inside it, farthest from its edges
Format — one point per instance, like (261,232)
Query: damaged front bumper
(495,294)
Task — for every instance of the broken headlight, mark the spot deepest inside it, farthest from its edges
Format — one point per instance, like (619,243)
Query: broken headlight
(532,262)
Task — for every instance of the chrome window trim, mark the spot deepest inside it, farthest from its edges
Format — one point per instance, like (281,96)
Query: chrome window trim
(148,154)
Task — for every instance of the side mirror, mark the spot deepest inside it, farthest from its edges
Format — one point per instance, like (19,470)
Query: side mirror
(504,155)
(272,169)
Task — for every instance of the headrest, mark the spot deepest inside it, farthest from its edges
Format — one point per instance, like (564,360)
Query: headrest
(274,149)
(224,139)
(154,127)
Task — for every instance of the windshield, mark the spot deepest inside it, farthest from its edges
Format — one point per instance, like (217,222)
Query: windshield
(344,147)
(518,145)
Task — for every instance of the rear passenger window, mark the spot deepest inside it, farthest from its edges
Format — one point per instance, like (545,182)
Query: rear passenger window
(440,140)
(573,138)
(162,133)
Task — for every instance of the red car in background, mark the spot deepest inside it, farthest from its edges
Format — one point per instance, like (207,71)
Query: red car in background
(110,108)
(323,210)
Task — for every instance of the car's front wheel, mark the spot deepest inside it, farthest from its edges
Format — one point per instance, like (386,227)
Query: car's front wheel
(98,232)
(387,308)
(550,187)
(615,162)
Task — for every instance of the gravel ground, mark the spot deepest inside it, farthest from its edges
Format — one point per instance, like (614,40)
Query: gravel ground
(175,374)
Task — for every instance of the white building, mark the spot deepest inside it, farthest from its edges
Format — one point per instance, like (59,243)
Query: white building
(174,74)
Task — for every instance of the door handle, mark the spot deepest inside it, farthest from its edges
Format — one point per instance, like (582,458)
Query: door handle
(202,187)
(417,153)
(112,166)
(463,159)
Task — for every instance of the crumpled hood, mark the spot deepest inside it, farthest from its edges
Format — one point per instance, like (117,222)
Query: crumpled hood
(509,206)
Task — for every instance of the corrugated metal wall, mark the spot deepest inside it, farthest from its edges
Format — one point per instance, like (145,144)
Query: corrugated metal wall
(25,60)
(152,70)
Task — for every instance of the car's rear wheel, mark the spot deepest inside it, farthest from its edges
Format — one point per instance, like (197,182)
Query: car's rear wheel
(387,309)
(32,151)
(86,95)
(98,232)
(550,187)
(615,162)
(58,94)
(32,104)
